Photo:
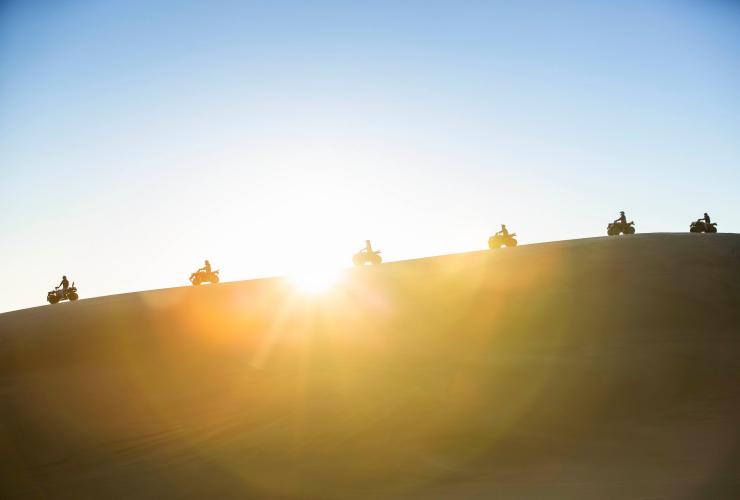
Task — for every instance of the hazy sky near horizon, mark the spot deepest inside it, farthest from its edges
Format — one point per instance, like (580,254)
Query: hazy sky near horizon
(138,138)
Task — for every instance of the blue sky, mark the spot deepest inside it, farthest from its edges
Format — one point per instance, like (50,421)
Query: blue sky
(137,138)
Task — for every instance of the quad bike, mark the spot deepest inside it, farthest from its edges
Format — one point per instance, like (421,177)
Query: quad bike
(58,294)
(367,257)
(199,277)
(616,228)
(700,226)
(499,240)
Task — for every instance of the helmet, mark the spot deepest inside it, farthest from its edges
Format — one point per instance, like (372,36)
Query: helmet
(621,212)
(64,277)
(207,261)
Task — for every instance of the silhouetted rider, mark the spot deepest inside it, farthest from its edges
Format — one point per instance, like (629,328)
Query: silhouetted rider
(206,268)
(622,218)
(65,283)
(706,219)
(368,248)
(504,232)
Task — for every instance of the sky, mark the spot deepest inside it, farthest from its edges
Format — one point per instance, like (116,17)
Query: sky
(138,138)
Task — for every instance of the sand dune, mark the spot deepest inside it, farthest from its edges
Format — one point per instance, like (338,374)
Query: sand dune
(604,368)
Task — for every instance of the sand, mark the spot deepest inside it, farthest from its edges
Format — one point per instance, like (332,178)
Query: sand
(602,368)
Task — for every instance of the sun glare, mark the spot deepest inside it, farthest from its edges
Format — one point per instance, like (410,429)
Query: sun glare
(316,281)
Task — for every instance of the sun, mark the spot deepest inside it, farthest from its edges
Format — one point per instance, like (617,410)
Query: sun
(315,281)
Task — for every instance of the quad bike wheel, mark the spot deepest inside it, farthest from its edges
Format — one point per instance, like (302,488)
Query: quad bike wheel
(214,279)
(694,229)
(629,230)
(495,242)
(360,260)
(53,299)
(712,229)
(73,296)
